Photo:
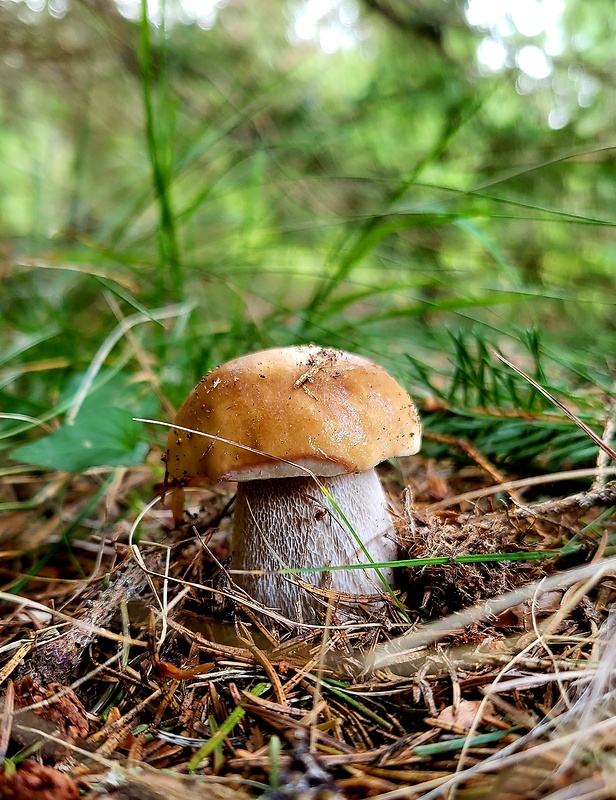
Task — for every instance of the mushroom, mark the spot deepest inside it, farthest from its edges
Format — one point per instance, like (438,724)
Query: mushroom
(299,412)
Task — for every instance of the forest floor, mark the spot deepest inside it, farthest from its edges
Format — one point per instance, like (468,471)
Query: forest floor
(132,668)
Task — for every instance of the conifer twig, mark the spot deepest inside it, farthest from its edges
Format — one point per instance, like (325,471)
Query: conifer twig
(587,430)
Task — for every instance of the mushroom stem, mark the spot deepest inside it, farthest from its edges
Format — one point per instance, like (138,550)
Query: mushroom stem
(290,523)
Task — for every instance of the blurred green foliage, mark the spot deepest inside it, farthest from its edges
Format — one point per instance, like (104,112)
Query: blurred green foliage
(227,185)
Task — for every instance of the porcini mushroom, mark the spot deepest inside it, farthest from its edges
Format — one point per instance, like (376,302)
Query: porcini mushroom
(300,410)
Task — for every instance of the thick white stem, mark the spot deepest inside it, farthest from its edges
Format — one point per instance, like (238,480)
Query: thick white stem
(288,522)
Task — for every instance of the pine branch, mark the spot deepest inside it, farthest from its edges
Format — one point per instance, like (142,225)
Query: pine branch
(505,417)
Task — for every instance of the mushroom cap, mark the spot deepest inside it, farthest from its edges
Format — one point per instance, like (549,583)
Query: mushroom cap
(322,409)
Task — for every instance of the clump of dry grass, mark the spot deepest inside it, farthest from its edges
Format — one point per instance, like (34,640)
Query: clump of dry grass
(442,589)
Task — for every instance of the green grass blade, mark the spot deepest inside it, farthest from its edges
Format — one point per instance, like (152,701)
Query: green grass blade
(224,730)
(158,151)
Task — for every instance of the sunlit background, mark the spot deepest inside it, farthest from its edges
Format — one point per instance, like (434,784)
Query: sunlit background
(523,34)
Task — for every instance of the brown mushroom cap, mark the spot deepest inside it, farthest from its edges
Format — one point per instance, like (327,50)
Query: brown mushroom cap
(322,409)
